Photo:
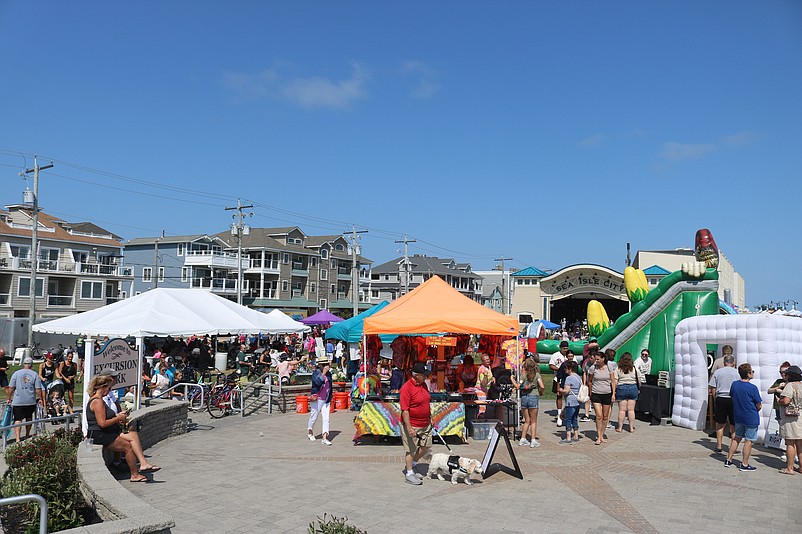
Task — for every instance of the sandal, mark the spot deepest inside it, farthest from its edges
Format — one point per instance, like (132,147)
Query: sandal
(140,479)
(598,442)
(151,469)
(785,471)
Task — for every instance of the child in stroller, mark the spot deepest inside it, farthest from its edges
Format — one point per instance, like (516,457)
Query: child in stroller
(55,400)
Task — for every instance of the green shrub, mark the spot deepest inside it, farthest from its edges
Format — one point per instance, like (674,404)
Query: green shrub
(46,465)
(335,525)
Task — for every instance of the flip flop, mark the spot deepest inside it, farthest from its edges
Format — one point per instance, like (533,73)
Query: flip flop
(151,469)
(785,471)
(598,442)
(143,479)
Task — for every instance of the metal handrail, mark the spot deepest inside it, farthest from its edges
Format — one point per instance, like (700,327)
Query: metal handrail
(36,422)
(185,385)
(261,382)
(31,497)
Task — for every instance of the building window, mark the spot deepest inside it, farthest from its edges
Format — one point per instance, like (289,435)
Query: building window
(333,263)
(24,289)
(323,303)
(653,281)
(20,251)
(285,285)
(313,287)
(91,290)
(374,294)
(161,274)
(147,274)
(333,289)
(313,261)
(324,253)
(185,273)
(285,258)
(324,274)
(339,247)
(180,249)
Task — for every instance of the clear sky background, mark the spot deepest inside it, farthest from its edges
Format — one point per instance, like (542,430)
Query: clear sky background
(550,132)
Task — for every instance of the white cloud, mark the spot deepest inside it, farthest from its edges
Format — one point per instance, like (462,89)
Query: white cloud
(310,92)
(741,139)
(427,85)
(673,151)
(593,140)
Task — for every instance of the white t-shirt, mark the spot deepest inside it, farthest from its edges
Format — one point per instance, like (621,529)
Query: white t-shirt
(643,367)
(556,359)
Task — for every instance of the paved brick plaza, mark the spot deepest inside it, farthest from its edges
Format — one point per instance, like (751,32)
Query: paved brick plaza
(261,474)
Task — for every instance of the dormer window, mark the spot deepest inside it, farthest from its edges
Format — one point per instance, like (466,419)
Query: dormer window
(339,247)
(324,253)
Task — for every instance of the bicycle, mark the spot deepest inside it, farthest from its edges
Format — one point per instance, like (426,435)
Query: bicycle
(198,400)
(224,400)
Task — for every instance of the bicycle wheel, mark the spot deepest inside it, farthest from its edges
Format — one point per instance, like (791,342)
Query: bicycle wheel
(195,402)
(217,405)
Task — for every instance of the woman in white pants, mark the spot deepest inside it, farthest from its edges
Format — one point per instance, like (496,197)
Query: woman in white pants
(320,400)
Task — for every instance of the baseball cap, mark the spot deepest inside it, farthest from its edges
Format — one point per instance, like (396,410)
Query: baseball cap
(27,360)
(592,340)
(420,369)
(563,344)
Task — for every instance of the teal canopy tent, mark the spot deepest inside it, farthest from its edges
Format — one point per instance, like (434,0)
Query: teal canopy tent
(350,330)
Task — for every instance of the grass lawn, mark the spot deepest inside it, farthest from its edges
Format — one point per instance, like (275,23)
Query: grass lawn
(79,386)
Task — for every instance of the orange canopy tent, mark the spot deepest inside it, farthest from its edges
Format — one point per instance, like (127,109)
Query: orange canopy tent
(435,307)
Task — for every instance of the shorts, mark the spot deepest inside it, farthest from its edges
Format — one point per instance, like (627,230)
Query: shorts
(722,410)
(626,392)
(422,438)
(554,387)
(602,398)
(4,380)
(749,433)
(69,386)
(23,413)
(531,400)
(103,438)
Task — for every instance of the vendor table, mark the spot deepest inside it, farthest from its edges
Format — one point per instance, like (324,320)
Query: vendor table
(384,419)
(655,400)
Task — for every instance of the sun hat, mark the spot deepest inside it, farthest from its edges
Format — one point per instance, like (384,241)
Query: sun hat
(323,361)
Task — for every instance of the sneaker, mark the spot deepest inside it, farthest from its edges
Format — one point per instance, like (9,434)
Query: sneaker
(609,425)
(727,463)
(565,442)
(535,444)
(747,468)
(524,442)
(783,458)
(311,437)
(412,479)
(584,418)
(719,451)
(559,422)
(326,442)
(418,475)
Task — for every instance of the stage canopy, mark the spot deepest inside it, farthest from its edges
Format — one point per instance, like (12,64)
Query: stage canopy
(436,307)
(165,312)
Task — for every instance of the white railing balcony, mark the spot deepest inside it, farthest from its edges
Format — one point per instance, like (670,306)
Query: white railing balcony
(213,258)
(268,266)
(219,285)
(341,296)
(297,293)
(266,294)
(60,301)
(98,268)
(5,299)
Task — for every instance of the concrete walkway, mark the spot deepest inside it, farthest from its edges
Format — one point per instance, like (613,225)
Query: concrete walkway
(261,474)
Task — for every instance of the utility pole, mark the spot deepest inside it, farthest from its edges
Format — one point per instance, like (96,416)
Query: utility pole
(354,270)
(629,260)
(156,261)
(406,243)
(34,244)
(504,309)
(238,229)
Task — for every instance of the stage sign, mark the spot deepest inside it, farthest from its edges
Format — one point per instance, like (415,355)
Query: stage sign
(120,357)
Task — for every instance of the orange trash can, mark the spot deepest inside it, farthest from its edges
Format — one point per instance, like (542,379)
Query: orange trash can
(301,404)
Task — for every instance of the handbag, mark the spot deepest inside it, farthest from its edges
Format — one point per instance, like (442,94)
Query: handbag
(792,409)
(583,395)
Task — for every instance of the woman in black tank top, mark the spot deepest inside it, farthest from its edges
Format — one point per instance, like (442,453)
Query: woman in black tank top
(67,370)
(47,371)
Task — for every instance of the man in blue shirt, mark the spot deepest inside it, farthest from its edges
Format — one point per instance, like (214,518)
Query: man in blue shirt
(24,391)
(746,404)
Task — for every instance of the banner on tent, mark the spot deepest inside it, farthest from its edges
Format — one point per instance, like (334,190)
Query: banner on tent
(447,341)
(121,358)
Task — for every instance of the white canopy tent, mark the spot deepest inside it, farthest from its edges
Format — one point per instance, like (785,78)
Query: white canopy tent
(167,312)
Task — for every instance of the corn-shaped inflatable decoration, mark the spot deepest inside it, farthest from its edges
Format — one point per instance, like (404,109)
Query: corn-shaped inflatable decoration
(635,282)
(598,321)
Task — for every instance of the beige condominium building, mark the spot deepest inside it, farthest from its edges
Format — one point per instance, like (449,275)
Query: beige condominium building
(78,265)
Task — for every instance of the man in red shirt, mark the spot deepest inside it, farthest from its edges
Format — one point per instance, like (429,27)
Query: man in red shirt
(416,421)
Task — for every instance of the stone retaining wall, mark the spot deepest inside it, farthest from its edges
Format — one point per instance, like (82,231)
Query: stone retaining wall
(121,511)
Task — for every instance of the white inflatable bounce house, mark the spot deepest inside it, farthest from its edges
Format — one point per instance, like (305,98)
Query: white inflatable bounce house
(763,340)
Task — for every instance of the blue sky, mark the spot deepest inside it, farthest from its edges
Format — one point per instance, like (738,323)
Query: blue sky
(550,132)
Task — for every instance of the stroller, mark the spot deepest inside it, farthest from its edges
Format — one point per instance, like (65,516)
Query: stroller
(55,386)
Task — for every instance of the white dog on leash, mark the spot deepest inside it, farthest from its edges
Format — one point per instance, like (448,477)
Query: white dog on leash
(456,466)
